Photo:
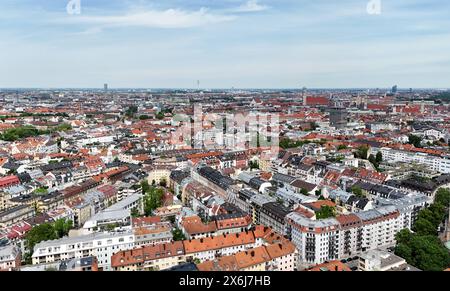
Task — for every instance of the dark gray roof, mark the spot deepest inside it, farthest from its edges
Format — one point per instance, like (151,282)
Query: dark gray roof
(283,178)
(216,177)
(303,185)
(276,209)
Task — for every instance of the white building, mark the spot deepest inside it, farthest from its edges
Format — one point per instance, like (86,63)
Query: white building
(346,235)
(435,163)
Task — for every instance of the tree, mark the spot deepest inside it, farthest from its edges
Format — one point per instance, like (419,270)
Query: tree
(110,227)
(304,191)
(429,254)
(313,125)
(379,158)
(404,251)
(424,249)
(342,147)
(62,227)
(254,165)
(443,197)
(160,115)
(357,191)
(134,212)
(415,140)
(40,191)
(424,227)
(36,235)
(326,212)
(362,152)
(153,200)
(144,117)
(145,186)
(131,111)
(404,236)
(178,235)
(163,183)
(373,160)
(20,132)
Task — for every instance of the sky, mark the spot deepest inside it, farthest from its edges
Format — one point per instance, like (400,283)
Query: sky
(225,43)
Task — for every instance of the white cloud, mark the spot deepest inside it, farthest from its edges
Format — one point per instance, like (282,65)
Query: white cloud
(252,6)
(171,18)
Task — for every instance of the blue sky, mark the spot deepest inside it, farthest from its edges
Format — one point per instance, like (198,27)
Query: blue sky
(225,43)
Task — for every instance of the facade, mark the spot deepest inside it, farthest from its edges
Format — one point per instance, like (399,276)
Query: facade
(436,163)
(10,258)
(150,258)
(100,245)
(16,214)
(377,260)
(273,214)
(335,238)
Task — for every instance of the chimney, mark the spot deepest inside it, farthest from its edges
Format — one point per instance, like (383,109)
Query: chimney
(336,268)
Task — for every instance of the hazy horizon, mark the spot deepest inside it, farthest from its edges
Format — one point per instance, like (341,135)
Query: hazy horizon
(276,44)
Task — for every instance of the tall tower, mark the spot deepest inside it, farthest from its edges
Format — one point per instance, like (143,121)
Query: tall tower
(394,89)
(105,87)
(305,103)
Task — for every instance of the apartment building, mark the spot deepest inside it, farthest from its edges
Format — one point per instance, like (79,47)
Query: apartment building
(274,257)
(436,163)
(149,258)
(10,258)
(208,248)
(100,245)
(331,239)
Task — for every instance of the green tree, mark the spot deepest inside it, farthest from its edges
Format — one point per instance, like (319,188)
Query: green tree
(313,126)
(135,212)
(415,140)
(153,200)
(362,152)
(342,147)
(379,158)
(145,186)
(443,197)
(36,235)
(131,111)
(40,191)
(424,227)
(163,183)
(357,191)
(178,235)
(404,236)
(304,191)
(20,132)
(404,251)
(429,254)
(62,227)
(253,165)
(63,127)
(326,212)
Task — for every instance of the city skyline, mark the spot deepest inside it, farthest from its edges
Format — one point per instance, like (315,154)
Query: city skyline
(224,44)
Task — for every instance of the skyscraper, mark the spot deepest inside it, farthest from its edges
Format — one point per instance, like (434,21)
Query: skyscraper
(394,89)
(338,117)
(105,87)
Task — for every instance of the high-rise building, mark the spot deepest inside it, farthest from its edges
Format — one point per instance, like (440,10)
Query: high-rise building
(105,87)
(338,117)
(394,89)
